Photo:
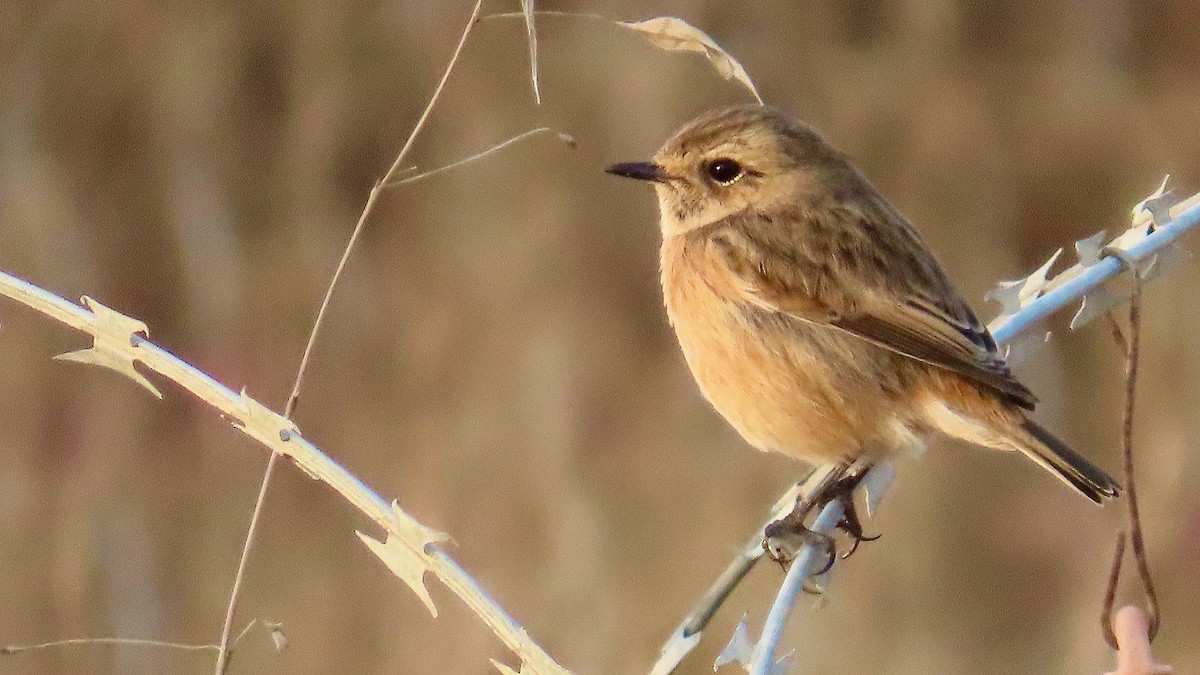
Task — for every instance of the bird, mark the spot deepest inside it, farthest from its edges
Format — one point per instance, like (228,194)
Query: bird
(813,316)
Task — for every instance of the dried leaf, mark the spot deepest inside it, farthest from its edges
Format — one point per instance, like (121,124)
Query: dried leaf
(278,637)
(114,337)
(674,34)
(406,553)
(531,34)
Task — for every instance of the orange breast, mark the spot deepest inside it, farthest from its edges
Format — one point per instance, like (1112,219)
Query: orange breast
(787,386)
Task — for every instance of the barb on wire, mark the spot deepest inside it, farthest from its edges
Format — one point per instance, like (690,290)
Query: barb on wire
(410,550)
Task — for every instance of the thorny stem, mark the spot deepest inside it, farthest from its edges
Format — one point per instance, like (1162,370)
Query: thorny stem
(1132,349)
(223,651)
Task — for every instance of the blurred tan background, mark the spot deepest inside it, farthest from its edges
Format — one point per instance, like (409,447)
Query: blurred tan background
(497,358)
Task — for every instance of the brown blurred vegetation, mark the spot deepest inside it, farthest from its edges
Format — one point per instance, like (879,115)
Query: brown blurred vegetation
(497,358)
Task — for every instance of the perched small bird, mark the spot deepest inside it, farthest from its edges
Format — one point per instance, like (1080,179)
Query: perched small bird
(812,315)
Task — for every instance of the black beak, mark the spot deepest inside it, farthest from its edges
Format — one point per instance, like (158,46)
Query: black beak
(640,170)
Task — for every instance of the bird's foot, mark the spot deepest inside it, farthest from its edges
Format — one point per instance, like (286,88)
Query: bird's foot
(784,538)
(783,542)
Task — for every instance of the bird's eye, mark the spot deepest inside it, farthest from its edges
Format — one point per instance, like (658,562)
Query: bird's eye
(724,171)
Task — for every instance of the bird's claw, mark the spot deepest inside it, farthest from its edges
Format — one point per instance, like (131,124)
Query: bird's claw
(784,538)
(851,525)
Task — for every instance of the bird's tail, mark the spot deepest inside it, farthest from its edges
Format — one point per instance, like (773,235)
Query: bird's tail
(1069,466)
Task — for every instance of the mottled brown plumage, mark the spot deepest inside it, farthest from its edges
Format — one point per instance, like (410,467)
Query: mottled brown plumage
(810,312)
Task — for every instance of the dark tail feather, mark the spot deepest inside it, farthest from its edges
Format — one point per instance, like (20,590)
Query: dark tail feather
(1071,467)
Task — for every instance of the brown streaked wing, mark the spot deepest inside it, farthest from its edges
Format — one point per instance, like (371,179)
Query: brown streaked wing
(778,276)
(926,337)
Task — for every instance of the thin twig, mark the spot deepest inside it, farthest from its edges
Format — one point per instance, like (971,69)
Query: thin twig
(224,652)
(238,640)
(549,12)
(1132,353)
(1135,521)
(1110,594)
(294,397)
(123,642)
(370,206)
(566,138)
(1114,329)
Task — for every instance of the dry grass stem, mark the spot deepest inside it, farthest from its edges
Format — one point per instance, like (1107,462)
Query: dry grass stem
(565,138)
(550,12)
(531,38)
(123,642)
(224,650)
(294,397)
(120,642)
